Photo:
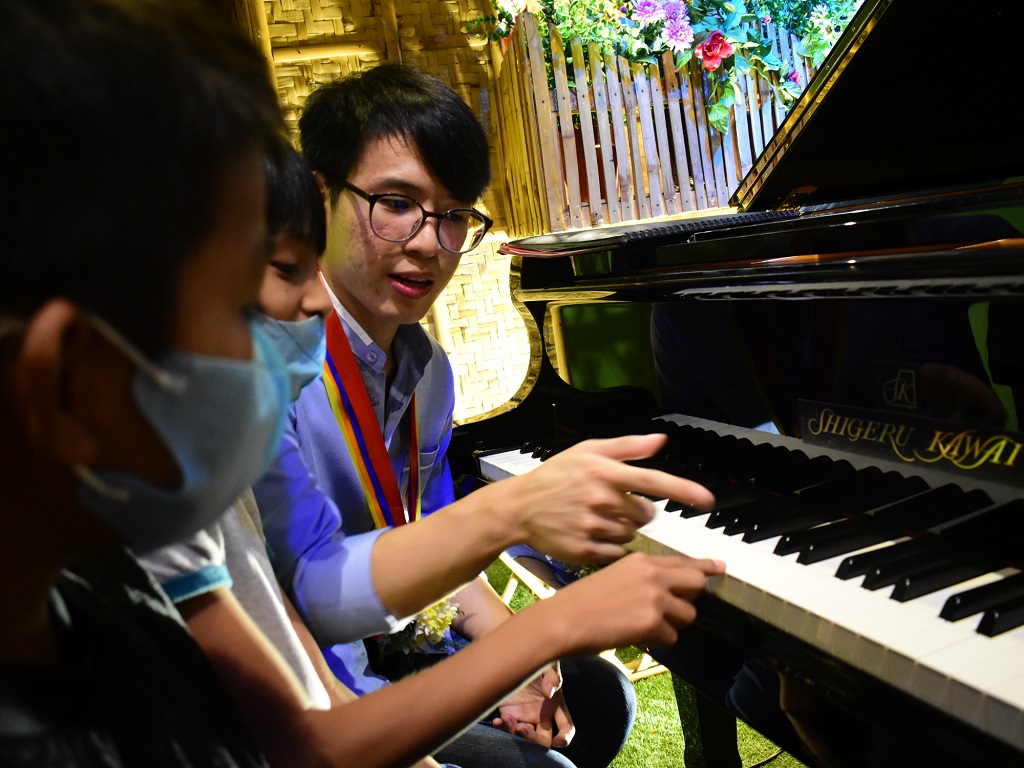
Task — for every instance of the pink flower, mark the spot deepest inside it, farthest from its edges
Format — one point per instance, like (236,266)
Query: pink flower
(647,12)
(767,18)
(713,50)
(793,76)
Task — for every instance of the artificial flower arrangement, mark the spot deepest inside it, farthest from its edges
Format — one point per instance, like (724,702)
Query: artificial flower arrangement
(428,632)
(724,38)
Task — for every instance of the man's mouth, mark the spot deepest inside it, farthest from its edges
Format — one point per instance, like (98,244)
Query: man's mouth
(412,287)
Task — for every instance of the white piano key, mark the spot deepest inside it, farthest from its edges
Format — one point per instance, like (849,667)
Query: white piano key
(1003,707)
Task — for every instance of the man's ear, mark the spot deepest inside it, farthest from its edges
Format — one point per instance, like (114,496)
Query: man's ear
(322,183)
(325,192)
(54,350)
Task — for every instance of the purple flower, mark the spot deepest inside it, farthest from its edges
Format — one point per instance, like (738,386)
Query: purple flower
(675,9)
(678,34)
(647,12)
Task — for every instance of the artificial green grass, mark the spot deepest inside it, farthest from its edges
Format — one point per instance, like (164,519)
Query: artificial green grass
(657,739)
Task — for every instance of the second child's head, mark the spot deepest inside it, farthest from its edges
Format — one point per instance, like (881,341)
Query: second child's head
(292,289)
(293,298)
(403,160)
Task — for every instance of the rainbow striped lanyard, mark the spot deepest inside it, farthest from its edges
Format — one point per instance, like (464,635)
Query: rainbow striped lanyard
(362,434)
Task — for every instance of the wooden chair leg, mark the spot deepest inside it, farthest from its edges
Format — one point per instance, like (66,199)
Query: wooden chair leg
(709,730)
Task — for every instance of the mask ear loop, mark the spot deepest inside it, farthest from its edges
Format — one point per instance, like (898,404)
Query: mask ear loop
(163,379)
(93,480)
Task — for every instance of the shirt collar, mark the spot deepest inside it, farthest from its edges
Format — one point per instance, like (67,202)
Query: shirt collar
(410,337)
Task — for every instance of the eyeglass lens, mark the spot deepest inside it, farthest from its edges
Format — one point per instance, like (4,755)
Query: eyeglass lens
(396,218)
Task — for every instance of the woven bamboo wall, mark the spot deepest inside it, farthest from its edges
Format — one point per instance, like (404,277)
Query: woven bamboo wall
(316,41)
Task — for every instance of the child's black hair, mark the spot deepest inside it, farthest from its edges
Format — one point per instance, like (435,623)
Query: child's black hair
(125,119)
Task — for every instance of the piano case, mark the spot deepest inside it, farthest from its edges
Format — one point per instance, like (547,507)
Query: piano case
(872,264)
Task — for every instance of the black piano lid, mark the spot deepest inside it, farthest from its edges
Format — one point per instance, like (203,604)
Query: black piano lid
(916,95)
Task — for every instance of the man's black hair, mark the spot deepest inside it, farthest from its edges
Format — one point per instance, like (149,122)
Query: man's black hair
(295,205)
(124,118)
(339,118)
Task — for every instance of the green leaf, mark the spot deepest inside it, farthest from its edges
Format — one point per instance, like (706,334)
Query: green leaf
(792,89)
(718,117)
(741,65)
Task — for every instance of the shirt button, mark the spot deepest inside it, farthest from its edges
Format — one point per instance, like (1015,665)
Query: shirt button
(374,400)
(371,357)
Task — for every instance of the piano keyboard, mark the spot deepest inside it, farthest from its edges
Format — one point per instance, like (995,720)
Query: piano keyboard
(884,616)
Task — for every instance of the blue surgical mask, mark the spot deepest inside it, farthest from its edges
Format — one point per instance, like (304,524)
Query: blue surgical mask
(221,419)
(301,344)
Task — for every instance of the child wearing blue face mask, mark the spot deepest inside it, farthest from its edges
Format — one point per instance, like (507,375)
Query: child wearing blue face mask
(128,363)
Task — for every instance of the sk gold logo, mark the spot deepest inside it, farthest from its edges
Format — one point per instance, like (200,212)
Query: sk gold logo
(901,391)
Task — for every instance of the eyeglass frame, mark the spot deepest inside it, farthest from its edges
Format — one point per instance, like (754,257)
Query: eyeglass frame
(373,197)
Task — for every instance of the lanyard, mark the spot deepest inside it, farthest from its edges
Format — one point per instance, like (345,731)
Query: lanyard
(361,431)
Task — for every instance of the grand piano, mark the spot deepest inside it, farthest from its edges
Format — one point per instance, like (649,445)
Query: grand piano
(840,358)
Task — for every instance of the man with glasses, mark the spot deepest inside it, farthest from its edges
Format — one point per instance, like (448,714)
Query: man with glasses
(402,160)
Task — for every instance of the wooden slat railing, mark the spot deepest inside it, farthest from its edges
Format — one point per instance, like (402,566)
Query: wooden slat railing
(628,141)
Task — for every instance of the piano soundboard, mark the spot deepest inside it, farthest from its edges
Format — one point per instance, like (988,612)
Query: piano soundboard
(816,546)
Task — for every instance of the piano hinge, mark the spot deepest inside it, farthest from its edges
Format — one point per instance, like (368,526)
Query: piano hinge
(796,198)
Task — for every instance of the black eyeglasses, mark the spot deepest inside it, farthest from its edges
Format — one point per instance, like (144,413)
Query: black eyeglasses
(397,218)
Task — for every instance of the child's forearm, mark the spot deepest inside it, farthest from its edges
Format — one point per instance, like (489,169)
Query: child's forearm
(439,702)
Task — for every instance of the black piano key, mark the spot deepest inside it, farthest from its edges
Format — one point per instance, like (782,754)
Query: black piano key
(998,532)
(738,518)
(850,540)
(913,514)
(856,500)
(723,491)
(972,601)
(537,447)
(841,486)
(937,577)
(934,507)
(763,463)
(1003,618)
(781,525)
(814,472)
(888,573)
(870,496)
(797,541)
(858,565)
